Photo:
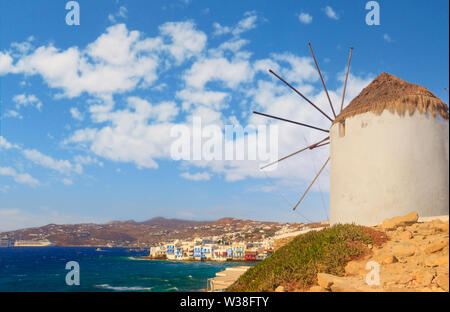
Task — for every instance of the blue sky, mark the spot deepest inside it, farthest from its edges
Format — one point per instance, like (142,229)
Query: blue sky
(87,110)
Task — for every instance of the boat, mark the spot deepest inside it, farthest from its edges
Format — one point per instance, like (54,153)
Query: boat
(33,243)
(6,242)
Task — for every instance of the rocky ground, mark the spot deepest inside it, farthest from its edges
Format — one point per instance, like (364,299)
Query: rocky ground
(414,258)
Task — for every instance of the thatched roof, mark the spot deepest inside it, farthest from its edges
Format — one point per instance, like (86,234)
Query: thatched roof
(396,95)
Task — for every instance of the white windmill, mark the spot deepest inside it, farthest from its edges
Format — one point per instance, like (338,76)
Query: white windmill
(389,151)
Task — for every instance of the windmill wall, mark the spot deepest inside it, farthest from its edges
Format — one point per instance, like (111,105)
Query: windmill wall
(388,165)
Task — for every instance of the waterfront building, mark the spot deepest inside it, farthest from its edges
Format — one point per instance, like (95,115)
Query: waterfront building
(220,253)
(238,251)
(198,252)
(157,252)
(250,254)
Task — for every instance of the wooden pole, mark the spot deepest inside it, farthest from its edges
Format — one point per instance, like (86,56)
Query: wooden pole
(319,145)
(299,93)
(321,78)
(295,153)
(346,77)
(304,194)
(291,121)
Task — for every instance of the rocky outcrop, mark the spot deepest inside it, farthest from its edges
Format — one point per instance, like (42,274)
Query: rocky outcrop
(415,258)
(392,224)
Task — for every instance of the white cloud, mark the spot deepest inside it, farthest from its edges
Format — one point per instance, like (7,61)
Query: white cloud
(201,176)
(23,100)
(4,144)
(231,73)
(6,63)
(10,113)
(305,18)
(120,14)
(22,47)
(244,25)
(331,13)
(192,97)
(186,40)
(117,61)
(87,160)
(66,181)
(221,30)
(139,133)
(233,45)
(296,69)
(76,114)
(22,178)
(62,166)
(387,38)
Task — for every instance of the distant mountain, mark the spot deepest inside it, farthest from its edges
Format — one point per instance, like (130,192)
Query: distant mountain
(146,233)
(172,223)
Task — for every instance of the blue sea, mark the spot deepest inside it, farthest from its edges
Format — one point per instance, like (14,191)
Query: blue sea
(108,270)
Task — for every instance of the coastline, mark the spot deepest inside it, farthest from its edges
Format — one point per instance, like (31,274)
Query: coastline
(112,271)
(195,260)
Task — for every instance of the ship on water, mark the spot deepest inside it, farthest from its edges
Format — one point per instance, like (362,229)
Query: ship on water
(33,243)
(5,241)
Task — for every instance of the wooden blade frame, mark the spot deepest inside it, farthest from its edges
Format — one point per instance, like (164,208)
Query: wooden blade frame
(299,93)
(319,145)
(312,146)
(321,78)
(346,77)
(304,194)
(291,121)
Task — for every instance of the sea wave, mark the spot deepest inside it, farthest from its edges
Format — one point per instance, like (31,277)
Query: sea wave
(173,288)
(123,288)
(137,258)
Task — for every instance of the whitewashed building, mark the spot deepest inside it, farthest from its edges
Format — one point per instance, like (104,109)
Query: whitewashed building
(389,154)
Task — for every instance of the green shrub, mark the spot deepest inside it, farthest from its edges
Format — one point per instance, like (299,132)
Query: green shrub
(298,262)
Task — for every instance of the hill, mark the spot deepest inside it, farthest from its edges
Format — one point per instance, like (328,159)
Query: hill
(146,233)
(172,223)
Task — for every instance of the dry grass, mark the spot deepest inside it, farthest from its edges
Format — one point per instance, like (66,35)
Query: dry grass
(388,92)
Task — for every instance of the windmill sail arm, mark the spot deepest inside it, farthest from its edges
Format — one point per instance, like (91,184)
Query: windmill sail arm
(319,145)
(321,78)
(346,77)
(309,187)
(312,146)
(299,93)
(291,121)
